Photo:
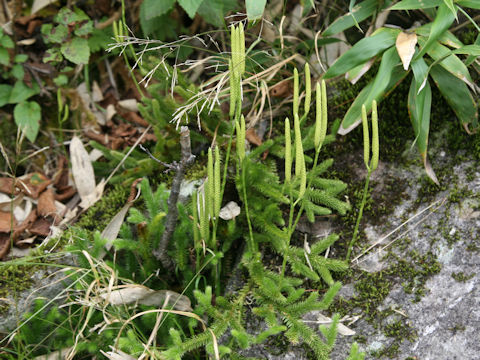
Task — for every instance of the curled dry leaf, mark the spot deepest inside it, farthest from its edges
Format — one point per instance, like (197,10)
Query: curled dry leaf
(26,224)
(230,211)
(7,222)
(33,184)
(342,329)
(7,203)
(116,354)
(83,174)
(41,227)
(129,104)
(252,137)
(7,186)
(142,295)
(405,44)
(46,204)
(4,244)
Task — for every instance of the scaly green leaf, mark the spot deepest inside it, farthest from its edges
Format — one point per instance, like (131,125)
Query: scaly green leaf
(442,22)
(363,51)
(457,95)
(255,9)
(27,116)
(389,74)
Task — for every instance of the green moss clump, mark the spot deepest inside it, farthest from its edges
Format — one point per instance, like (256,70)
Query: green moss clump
(14,279)
(462,277)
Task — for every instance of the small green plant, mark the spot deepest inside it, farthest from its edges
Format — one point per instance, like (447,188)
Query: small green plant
(68,38)
(431,52)
(371,164)
(27,113)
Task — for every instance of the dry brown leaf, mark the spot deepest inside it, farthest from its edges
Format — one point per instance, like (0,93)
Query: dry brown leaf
(83,175)
(140,294)
(40,4)
(7,203)
(25,224)
(111,230)
(281,89)
(230,211)
(129,104)
(406,47)
(4,244)
(342,329)
(7,186)
(33,184)
(46,204)
(7,221)
(41,227)
(252,137)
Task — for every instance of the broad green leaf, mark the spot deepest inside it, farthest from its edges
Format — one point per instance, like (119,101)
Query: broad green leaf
(446,38)
(357,72)
(22,92)
(450,62)
(389,74)
(359,13)
(255,9)
(84,28)
(363,51)
(20,58)
(473,4)
(66,16)
(17,71)
(442,22)
(6,42)
(52,55)
(27,116)
(4,56)
(5,91)
(419,106)
(154,8)
(213,11)
(457,95)
(190,6)
(420,73)
(76,50)
(57,34)
(416,4)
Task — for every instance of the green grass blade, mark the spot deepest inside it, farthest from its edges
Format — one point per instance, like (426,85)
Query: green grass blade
(473,4)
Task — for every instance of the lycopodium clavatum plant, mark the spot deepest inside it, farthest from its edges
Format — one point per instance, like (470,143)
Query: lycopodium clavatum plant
(371,164)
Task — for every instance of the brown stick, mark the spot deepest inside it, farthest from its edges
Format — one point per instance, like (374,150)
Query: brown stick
(171,221)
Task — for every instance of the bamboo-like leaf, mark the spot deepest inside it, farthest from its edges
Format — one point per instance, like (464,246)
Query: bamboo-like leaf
(389,74)
(446,38)
(363,51)
(442,22)
(473,4)
(416,4)
(419,106)
(357,14)
(357,72)
(420,72)
(472,58)
(450,62)
(405,45)
(457,95)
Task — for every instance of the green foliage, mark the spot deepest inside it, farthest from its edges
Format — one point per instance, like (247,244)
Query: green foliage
(435,53)
(67,37)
